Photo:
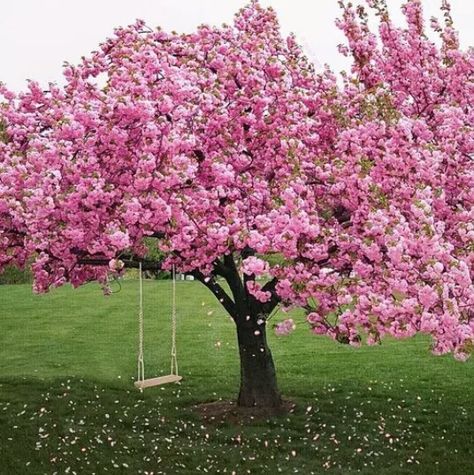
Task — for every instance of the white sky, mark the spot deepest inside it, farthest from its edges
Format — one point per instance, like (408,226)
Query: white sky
(36,36)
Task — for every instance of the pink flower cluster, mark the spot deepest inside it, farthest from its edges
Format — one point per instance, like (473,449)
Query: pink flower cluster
(285,327)
(255,289)
(255,266)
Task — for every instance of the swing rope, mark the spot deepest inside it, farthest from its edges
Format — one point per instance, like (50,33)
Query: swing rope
(174,358)
(141,359)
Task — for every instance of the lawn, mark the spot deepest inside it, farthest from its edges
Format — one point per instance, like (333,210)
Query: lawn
(68,405)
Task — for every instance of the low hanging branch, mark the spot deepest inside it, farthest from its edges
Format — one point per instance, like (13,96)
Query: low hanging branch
(147,264)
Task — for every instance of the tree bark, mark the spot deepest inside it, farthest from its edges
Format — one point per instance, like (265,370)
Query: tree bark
(258,383)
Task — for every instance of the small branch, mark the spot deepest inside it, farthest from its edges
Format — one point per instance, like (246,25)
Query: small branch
(247,252)
(157,235)
(275,299)
(331,251)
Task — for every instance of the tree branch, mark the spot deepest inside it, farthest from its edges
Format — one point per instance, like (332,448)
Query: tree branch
(218,292)
(236,285)
(157,235)
(128,262)
(275,299)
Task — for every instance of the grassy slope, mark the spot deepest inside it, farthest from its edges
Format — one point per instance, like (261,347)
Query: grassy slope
(67,361)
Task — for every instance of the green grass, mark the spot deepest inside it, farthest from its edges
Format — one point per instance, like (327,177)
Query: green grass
(67,402)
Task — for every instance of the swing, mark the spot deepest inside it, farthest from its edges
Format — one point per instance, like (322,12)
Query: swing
(173,377)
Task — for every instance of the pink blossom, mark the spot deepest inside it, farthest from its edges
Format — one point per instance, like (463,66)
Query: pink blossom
(116,265)
(427,297)
(255,289)
(285,327)
(254,265)
(119,239)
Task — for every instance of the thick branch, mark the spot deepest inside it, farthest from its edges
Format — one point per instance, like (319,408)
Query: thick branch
(221,269)
(236,285)
(218,292)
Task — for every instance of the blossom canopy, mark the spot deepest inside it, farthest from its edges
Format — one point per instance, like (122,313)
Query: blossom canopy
(353,197)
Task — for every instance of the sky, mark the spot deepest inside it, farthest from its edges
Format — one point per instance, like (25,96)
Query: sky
(37,36)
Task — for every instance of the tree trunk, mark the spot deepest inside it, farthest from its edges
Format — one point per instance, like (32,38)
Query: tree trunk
(258,384)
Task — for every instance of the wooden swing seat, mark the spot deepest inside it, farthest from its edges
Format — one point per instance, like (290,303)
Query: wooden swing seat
(148,383)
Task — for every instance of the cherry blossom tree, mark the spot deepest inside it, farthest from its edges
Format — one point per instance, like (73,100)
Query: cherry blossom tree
(352,198)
